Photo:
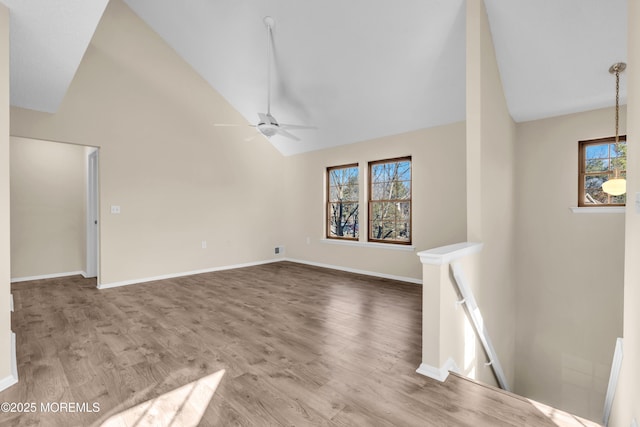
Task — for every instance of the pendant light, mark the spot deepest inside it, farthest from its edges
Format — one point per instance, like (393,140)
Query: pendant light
(617,185)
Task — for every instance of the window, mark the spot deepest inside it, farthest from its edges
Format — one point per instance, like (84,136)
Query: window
(390,201)
(598,160)
(342,202)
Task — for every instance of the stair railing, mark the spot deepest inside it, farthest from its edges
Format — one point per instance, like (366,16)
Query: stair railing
(474,315)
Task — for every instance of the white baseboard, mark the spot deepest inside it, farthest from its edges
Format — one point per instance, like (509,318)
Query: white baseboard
(357,271)
(184,274)
(439,374)
(251,264)
(46,276)
(13,378)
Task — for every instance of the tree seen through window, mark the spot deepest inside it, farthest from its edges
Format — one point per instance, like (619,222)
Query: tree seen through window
(598,160)
(343,202)
(390,201)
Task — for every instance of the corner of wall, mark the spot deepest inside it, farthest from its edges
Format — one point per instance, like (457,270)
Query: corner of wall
(626,406)
(5,225)
(490,215)
(12,378)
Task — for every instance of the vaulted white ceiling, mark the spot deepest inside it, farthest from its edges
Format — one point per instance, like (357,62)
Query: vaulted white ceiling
(48,40)
(554,55)
(356,70)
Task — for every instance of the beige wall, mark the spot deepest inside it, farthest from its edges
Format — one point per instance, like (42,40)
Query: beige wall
(48,206)
(5,249)
(570,269)
(627,400)
(438,210)
(490,155)
(178,179)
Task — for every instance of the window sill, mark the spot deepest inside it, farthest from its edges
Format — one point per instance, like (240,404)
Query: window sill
(600,210)
(391,246)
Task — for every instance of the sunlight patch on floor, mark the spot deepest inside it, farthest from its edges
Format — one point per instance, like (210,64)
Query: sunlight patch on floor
(182,407)
(561,418)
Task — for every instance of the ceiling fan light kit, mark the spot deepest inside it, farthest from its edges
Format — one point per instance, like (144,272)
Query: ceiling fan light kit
(267,129)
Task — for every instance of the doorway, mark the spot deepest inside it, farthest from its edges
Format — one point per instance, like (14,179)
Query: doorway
(92,213)
(54,209)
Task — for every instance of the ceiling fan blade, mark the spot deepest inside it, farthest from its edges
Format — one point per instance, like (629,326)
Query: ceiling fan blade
(287,134)
(290,126)
(232,125)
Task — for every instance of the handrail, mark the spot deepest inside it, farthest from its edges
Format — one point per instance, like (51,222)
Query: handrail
(473,312)
(616,364)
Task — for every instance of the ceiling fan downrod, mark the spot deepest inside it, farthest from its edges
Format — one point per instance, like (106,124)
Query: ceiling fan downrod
(269,22)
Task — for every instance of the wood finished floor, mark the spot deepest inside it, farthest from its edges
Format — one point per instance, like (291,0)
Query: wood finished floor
(300,346)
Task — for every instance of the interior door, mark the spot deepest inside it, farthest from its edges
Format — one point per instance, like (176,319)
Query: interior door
(92,214)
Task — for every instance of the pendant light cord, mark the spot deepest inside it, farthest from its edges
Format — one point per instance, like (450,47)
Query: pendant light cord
(615,185)
(617,69)
(617,104)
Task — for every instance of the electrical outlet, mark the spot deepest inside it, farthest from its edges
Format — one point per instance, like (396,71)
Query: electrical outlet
(277,250)
(204,244)
(115,209)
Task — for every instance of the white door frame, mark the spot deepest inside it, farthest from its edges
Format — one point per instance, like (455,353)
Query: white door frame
(93,227)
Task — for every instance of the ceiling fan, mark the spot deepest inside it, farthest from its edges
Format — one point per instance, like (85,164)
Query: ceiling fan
(267,124)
